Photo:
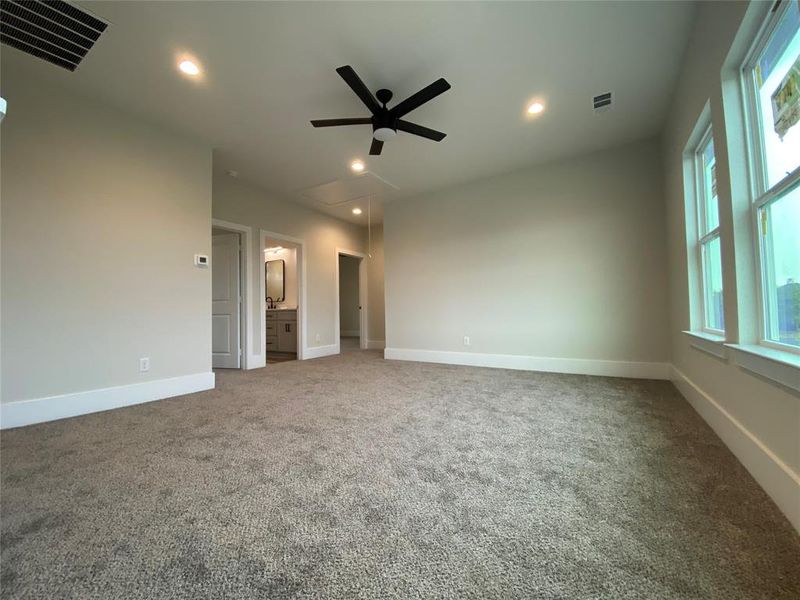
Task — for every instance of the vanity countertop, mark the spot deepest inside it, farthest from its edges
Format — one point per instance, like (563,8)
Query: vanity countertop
(279,309)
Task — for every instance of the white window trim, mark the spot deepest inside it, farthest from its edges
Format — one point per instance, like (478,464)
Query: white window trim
(760,192)
(776,365)
(703,238)
(708,343)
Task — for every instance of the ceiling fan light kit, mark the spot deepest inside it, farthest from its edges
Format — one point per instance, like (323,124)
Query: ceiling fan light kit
(386,122)
(384,134)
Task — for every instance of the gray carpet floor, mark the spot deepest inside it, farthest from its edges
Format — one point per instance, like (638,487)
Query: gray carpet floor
(355,477)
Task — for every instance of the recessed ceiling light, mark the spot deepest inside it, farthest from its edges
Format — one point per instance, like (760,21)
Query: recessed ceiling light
(356,211)
(535,108)
(189,67)
(357,166)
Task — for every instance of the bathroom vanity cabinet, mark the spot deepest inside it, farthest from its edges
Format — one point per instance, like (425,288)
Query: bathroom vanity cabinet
(282,330)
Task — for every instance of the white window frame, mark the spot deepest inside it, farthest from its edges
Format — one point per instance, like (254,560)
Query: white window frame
(704,239)
(761,194)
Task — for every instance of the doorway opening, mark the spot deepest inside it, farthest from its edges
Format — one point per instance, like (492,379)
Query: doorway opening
(351,288)
(281,298)
(228,287)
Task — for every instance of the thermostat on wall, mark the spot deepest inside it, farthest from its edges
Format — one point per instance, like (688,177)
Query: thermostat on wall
(201,260)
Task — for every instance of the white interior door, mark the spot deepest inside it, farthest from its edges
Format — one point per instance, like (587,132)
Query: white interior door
(225,301)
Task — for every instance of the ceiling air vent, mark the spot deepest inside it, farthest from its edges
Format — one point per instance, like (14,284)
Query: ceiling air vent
(52,30)
(602,102)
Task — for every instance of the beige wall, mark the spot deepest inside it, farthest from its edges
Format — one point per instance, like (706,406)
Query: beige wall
(561,260)
(101,217)
(238,202)
(349,317)
(763,411)
(377,320)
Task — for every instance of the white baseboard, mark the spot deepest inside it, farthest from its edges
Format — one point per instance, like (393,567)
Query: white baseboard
(320,351)
(350,333)
(52,408)
(608,368)
(780,482)
(376,344)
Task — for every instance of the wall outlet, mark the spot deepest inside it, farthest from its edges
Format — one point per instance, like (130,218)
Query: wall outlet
(466,340)
(317,338)
(144,364)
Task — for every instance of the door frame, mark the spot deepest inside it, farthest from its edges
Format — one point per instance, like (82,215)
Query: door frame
(363,320)
(248,360)
(301,290)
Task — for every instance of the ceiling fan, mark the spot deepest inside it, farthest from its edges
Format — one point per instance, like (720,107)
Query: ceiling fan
(386,122)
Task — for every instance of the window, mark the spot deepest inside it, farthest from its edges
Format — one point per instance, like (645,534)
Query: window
(709,253)
(771,79)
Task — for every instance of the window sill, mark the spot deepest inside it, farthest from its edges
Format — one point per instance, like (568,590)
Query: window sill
(781,367)
(708,343)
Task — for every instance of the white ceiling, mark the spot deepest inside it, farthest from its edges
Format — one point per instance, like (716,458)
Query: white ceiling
(270,67)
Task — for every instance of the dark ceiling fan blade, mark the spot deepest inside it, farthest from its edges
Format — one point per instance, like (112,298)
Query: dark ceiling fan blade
(421,97)
(337,122)
(362,91)
(376,147)
(431,134)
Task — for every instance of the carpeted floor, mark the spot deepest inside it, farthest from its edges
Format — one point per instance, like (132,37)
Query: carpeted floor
(355,477)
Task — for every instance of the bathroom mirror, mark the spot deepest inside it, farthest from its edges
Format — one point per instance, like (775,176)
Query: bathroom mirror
(275,280)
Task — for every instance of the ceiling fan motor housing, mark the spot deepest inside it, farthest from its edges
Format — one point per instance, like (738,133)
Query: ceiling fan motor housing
(384,125)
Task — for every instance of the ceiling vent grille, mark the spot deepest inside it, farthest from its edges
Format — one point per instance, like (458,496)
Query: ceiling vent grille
(54,30)
(602,102)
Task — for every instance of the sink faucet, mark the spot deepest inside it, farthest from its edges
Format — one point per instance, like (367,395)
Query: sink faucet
(270,302)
